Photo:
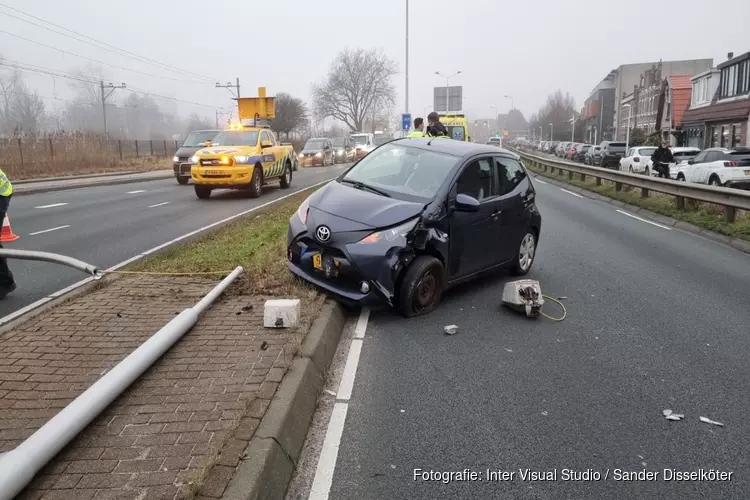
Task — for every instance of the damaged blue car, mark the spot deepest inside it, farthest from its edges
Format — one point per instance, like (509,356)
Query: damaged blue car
(413,218)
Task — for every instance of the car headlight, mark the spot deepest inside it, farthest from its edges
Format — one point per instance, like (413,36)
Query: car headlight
(391,234)
(303,210)
(301,155)
(241,159)
(175,159)
(318,155)
(195,160)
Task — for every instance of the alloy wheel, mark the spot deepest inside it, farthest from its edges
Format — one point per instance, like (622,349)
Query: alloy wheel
(526,252)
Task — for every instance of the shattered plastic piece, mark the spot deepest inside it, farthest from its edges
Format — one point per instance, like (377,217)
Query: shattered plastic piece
(667,413)
(393,466)
(544,413)
(675,416)
(330,392)
(709,421)
(450,329)
(562,298)
(509,350)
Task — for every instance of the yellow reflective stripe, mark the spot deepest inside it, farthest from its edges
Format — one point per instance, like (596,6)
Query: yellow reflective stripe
(6,188)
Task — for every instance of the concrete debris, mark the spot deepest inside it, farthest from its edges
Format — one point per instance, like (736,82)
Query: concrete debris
(713,422)
(450,329)
(672,416)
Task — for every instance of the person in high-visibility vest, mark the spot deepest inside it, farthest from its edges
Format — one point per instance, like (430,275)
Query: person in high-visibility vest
(7,283)
(435,128)
(418,128)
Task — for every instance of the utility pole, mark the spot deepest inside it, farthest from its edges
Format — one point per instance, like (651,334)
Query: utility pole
(112,88)
(229,86)
(406,88)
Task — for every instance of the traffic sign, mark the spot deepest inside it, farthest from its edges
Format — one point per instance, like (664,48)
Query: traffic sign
(406,121)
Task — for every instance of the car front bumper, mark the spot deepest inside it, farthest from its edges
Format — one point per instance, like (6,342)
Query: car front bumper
(311,161)
(182,169)
(225,177)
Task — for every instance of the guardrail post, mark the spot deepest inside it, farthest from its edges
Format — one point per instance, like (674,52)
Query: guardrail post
(679,202)
(618,186)
(51,149)
(119,147)
(570,174)
(583,177)
(598,181)
(152,147)
(559,171)
(729,213)
(20,151)
(644,193)
(137,154)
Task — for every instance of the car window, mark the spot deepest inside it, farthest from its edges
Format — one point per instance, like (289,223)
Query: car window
(700,158)
(476,180)
(647,151)
(510,174)
(236,138)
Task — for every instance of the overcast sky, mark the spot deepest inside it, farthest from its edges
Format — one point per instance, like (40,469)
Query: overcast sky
(525,48)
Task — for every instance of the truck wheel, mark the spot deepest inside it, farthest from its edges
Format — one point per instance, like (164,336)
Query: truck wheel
(202,192)
(183,180)
(286,179)
(422,287)
(256,185)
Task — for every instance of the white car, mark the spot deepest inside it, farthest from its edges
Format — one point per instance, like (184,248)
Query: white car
(637,160)
(681,156)
(718,167)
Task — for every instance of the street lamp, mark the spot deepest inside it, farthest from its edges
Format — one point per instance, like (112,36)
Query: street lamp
(627,133)
(551,131)
(541,132)
(512,106)
(497,113)
(447,81)
(573,132)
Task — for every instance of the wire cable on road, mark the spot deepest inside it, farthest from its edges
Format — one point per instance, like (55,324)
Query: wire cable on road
(565,311)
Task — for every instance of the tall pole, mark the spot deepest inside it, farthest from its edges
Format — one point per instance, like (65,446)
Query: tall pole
(627,133)
(228,86)
(104,101)
(406,88)
(447,88)
(551,131)
(238,86)
(600,128)
(573,132)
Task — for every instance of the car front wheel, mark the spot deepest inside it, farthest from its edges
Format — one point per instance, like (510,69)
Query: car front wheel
(422,287)
(526,253)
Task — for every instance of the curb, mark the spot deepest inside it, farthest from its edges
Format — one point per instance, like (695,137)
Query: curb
(105,182)
(272,454)
(736,243)
(73,177)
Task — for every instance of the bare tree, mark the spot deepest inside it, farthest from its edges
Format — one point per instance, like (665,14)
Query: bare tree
(291,113)
(28,112)
(357,81)
(11,84)
(197,122)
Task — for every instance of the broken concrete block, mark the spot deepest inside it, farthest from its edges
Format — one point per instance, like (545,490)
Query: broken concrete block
(281,313)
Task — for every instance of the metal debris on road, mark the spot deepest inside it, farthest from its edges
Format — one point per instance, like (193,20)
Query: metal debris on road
(709,421)
(450,329)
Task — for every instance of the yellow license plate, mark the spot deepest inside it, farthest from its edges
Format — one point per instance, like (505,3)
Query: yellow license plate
(318,261)
(214,172)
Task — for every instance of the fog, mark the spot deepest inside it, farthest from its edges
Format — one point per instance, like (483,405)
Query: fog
(526,50)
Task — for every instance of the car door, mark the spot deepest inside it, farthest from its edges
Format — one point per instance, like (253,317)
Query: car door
(270,168)
(515,195)
(626,163)
(692,170)
(703,169)
(472,234)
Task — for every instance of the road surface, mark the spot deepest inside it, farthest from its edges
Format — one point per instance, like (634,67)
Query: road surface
(106,225)
(657,319)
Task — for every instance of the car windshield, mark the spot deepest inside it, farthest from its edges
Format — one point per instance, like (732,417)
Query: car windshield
(494,139)
(360,139)
(196,139)
(315,144)
(236,138)
(685,155)
(646,151)
(403,172)
(339,142)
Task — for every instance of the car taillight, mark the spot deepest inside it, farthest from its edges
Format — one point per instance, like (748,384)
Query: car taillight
(637,160)
(731,164)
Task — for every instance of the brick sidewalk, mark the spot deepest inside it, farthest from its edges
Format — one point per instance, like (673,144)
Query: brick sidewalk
(181,429)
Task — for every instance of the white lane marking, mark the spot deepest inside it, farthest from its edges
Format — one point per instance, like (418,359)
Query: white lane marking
(321,486)
(48,230)
(350,371)
(137,191)
(571,192)
(645,220)
(52,205)
(359,331)
(159,204)
(536,179)
(34,305)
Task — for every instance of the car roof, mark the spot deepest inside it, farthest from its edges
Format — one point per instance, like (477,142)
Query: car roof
(318,139)
(452,147)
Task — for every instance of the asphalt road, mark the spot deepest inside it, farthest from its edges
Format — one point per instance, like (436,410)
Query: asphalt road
(106,225)
(657,319)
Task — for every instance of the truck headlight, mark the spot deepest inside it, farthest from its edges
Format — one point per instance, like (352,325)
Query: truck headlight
(241,159)
(175,159)
(390,235)
(195,160)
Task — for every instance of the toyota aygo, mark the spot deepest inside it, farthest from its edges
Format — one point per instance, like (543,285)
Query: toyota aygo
(413,218)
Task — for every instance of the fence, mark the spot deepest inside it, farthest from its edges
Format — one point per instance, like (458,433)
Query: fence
(730,199)
(71,154)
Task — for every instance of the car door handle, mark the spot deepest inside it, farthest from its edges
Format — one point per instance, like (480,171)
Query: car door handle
(496,214)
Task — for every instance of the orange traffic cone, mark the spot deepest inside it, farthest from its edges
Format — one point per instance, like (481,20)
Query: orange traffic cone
(7,234)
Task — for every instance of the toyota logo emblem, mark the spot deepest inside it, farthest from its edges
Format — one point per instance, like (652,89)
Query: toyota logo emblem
(323,233)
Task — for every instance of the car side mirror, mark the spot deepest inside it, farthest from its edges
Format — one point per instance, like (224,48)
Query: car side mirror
(690,162)
(466,203)
(266,144)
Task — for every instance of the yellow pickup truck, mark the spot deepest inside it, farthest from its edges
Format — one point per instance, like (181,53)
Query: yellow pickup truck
(246,156)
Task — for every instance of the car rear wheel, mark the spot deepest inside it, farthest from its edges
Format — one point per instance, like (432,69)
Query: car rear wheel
(202,192)
(183,180)
(256,185)
(422,287)
(680,177)
(526,253)
(286,179)
(715,181)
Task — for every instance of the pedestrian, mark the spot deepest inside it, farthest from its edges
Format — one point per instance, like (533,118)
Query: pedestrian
(434,127)
(7,283)
(661,159)
(418,128)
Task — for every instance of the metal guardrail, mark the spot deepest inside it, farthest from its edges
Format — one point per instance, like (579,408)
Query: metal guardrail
(730,199)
